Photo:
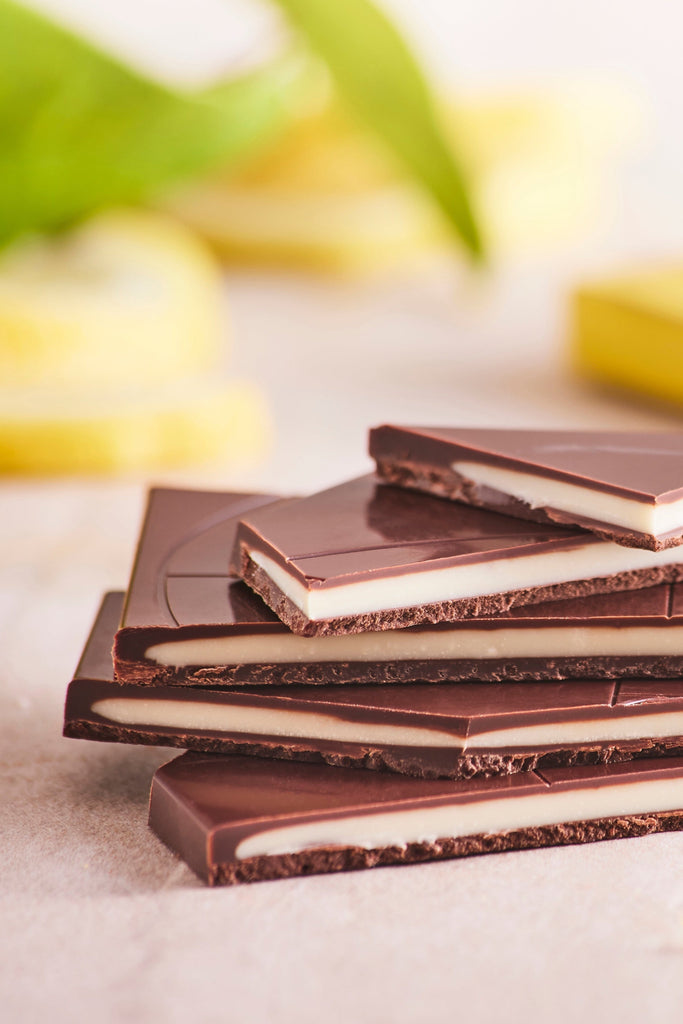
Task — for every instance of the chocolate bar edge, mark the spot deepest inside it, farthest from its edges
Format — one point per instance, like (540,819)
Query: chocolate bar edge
(422,445)
(444,611)
(423,763)
(483,670)
(194,848)
(442,481)
(446,483)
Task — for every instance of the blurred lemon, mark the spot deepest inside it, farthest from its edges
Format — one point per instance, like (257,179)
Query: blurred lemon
(363,231)
(127,296)
(538,161)
(111,336)
(46,431)
(627,331)
(327,196)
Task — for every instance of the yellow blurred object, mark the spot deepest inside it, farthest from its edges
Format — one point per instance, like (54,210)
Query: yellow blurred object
(363,232)
(128,296)
(326,196)
(111,351)
(72,432)
(628,331)
(538,161)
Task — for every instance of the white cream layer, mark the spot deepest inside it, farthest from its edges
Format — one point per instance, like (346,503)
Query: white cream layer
(264,722)
(474,579)
(488,816)
(539,492)
(215,717)
(425,645)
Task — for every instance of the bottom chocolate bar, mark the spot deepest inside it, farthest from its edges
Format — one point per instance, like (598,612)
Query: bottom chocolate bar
(236,819)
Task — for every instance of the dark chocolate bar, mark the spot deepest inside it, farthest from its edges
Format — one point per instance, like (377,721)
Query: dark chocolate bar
(454,730)
(187,622)
(367,556)
(625,487)
(235,819)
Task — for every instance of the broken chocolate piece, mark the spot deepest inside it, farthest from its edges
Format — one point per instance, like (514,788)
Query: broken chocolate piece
(454,730)
(235,819)
(367,556)
(188,622)
(625,487)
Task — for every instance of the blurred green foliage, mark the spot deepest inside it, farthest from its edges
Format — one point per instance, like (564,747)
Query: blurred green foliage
(80,131)
(381,82)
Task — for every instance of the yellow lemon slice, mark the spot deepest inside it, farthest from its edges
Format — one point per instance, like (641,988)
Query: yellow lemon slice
(127,296)
(61,431)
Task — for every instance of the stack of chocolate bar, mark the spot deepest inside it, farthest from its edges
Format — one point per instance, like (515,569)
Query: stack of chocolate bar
(479,649)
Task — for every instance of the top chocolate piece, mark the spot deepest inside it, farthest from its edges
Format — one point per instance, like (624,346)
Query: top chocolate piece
(626,487)
(363,556)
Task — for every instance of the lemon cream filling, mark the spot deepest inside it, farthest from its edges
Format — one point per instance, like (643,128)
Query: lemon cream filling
(542,492)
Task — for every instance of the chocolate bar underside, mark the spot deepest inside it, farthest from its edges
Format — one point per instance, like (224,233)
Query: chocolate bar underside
(209,809)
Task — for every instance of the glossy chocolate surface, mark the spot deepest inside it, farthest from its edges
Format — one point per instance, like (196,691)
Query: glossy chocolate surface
(360,527)
(185,533)
(204,805)
(180,589)
(642,466)
(240,791)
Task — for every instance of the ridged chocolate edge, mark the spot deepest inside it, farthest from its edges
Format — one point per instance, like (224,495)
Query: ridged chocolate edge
(482,670)
(445,611)
(466,766)
(443,482)
(354,858)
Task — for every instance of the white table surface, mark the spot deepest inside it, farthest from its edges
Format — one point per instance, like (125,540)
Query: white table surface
(101,923)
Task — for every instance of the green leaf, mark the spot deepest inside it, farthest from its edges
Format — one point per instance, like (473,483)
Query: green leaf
(380,80)
(80,131)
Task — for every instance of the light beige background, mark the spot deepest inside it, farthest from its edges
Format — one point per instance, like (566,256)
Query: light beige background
(99,921)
